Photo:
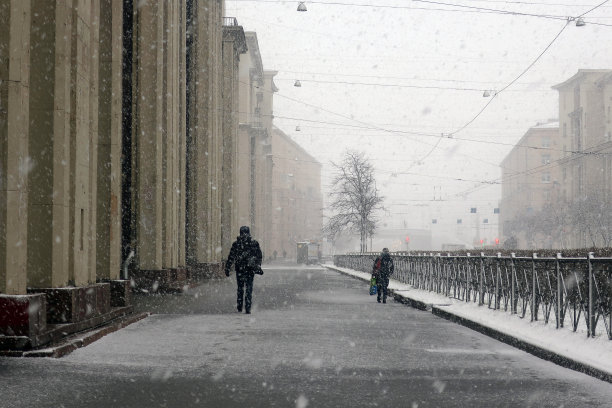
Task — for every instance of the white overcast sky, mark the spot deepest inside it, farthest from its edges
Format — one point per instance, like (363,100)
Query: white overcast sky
(410,66)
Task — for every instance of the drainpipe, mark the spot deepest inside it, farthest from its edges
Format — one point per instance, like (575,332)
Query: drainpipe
(127,261)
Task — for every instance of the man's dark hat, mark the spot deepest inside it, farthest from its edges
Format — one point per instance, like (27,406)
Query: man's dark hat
(244,230)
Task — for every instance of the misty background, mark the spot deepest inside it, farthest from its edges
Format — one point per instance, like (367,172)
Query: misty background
(404,82)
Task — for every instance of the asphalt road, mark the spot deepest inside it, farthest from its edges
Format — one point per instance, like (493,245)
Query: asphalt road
(314,339)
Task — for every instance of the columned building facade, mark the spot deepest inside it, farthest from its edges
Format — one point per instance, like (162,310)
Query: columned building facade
(116,120)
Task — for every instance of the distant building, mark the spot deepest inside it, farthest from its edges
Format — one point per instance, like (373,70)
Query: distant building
(530,183)
(253,179)
(296,210)
(586,135)
(558,191)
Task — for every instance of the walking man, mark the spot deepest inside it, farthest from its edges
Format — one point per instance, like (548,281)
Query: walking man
(384,271)
(246,256)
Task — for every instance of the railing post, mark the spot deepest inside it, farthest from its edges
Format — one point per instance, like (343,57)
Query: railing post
(513,293)
(591,327)
(468,279)
(448,272)
(533,287)
(497,302)
(559,292)
(481,281)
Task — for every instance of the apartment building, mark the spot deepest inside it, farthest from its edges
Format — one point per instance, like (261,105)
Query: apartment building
(530,183)
(296,210)
(585,117)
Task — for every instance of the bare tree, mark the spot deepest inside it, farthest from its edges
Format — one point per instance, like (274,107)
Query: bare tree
(354,198)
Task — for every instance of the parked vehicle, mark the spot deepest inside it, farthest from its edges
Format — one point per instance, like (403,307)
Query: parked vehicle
(308,253)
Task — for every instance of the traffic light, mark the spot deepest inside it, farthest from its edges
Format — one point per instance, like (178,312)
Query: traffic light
(407,239)
(496,241)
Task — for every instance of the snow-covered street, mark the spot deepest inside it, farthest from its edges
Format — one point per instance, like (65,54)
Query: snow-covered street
(315,339)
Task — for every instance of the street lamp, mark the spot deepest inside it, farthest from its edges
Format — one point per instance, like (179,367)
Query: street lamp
(580,22)
(297,83)
(302,6)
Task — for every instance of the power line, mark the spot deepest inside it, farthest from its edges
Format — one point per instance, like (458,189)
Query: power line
(458,8)
(401,78)
(594,8)
(511,82)
(406,86)
(437,136)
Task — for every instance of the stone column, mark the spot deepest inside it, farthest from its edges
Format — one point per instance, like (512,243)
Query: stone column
(149,51)
(49,237)
(214,247)
(15,162)
(204,135)
(234,44)
(108,221)
(182,133)
(198,135)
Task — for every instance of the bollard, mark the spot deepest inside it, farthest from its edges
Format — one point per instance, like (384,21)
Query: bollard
(513,293)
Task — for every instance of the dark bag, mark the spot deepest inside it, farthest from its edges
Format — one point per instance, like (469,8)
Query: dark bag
(258,271)
(377,266)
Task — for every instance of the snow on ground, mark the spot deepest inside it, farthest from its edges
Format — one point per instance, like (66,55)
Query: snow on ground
(596,352)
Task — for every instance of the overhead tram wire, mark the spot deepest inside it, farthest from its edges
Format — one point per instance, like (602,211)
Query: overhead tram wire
(407,86)
(474,118)
(363,123)
(468,123)
(400,78)
(594,8)
(423,134)
(459,8)
(451,134)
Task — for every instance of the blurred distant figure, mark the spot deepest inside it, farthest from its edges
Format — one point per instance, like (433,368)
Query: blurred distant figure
(246,255)
(274,254)
(385,269)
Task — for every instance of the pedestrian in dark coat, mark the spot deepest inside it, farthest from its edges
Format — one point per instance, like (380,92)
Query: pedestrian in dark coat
(246,256)
(384,271)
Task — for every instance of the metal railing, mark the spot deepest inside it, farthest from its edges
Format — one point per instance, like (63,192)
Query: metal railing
(230,22)
(572,291)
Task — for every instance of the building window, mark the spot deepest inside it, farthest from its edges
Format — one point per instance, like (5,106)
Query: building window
(565,130)
(546,177)
(545,141)
(547,196)
(564,174)
(546,159)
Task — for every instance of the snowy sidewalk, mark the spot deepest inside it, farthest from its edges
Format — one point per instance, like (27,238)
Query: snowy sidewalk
(570,349)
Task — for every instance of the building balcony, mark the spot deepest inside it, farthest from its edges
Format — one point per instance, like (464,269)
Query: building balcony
(230,22)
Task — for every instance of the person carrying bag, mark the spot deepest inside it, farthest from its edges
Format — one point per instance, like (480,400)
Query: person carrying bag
(373,279)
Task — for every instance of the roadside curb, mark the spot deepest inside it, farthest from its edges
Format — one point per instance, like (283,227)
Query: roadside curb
(540,352)
(78,340)
(537,351)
